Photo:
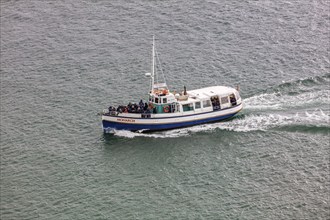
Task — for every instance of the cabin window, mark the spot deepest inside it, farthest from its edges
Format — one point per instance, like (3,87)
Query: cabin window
(215,102)
(197,105)
(206,103)
(164,100)
(233,99)
(156,100)
(188,107)
(177,108)
(224,100)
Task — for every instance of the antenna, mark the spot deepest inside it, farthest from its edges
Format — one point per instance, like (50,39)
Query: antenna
(153,63)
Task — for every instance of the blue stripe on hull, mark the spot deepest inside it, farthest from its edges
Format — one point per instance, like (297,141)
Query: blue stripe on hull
(154,127)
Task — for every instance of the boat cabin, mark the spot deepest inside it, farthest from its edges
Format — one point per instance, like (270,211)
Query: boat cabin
(206,99)
(214,98)
(162,99)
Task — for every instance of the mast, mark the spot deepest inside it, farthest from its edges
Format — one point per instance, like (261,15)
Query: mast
(153,64)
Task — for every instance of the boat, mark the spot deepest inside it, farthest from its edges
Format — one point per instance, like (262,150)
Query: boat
(166,109)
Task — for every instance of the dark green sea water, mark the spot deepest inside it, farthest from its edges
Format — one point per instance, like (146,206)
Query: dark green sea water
(62,62)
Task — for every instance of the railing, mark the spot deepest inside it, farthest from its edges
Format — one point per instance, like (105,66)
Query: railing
(146,115)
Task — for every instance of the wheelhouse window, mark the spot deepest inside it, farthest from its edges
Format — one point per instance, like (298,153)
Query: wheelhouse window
(157,100)
(197,105)
(188,107)
(206,103)
(224,100)
(164,100)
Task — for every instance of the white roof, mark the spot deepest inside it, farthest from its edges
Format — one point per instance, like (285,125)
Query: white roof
(159,85)
(211,91)
(206,93)
(190,100)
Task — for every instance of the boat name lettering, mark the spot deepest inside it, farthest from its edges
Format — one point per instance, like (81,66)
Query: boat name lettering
(125,120)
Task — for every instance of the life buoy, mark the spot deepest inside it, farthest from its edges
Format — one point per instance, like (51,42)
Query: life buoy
(166,108)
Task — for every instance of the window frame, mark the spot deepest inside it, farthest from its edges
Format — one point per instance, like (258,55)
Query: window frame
(190,107)
(200,105)
(222,98)
(208,102)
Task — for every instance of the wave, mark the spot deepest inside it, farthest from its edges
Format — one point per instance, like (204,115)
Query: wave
(296,85)
(283,101)
(306,129)
(312,90)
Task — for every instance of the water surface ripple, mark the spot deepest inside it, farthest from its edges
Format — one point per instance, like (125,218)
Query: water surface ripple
(62,62)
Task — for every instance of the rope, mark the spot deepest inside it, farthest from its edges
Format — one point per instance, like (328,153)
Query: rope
(160,65)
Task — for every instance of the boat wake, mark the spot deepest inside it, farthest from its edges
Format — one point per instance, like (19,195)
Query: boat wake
(263,122)
(161,134)
(283,101)
(307,121)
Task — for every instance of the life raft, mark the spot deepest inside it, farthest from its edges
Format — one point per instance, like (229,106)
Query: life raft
(166,109)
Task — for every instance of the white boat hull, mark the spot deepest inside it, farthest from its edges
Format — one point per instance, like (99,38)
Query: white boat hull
(135,122)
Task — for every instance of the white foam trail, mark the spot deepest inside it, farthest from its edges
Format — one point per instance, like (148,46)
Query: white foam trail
(165,134)
(265,122)
(246,124)
(279,101)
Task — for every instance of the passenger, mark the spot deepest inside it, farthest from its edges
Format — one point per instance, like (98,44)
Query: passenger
(216,101)
(233,100)
(125,110)
(151,106)
(132,109)
(145,107)
(111,110)
(141,104)
(119,109)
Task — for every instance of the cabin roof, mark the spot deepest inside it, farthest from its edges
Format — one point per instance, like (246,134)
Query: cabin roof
(210,91)
(160,86)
